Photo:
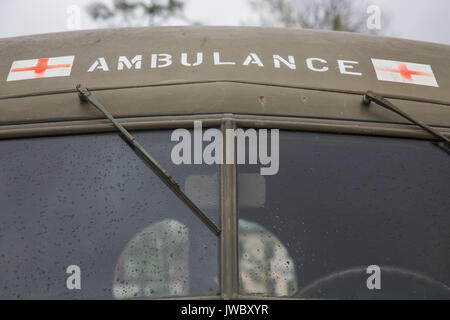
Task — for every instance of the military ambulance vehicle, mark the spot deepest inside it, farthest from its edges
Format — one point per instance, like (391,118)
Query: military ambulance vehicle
(224,163)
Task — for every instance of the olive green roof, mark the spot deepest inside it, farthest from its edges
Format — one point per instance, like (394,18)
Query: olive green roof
(245,87)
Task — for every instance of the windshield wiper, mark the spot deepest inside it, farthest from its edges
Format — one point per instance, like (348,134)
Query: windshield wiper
(381,101)
(86,95)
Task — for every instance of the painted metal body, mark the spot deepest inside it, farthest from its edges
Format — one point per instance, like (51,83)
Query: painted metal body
(211,88)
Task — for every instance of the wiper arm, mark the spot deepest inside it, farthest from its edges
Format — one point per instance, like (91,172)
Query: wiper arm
(381,101)
(86,95)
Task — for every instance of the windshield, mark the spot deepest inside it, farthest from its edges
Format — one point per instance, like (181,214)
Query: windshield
(340,207)
(85,212)
(83,217)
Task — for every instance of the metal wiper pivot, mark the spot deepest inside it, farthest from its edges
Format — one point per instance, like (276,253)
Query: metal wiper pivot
(381,101)
(86,95)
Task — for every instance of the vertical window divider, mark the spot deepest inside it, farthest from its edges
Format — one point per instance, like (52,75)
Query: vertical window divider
(229,273)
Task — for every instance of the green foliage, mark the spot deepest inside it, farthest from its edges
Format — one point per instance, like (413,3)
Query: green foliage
(340,15)
(132,13)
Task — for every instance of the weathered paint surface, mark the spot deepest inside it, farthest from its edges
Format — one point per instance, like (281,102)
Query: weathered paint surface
(195,70)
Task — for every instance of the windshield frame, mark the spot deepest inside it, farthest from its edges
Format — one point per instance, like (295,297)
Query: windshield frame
(228,240)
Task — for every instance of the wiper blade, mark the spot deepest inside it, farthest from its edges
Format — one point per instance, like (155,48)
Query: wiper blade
(381,101)
(86,95)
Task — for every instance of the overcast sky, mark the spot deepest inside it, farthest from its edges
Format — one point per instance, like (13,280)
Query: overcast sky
(412,19)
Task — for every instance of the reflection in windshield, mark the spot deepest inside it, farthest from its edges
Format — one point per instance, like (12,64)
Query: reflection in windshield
(265,264)
(82,200)
(342,203)
(154,262)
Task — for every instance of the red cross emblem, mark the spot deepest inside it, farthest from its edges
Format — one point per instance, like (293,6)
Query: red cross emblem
(40,68)
(406,72)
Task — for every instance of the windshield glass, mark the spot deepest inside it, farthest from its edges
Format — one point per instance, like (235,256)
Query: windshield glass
(342,211)
(83,217)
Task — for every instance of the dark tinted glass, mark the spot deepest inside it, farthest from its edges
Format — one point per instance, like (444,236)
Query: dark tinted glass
(340,204)
(89,201)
